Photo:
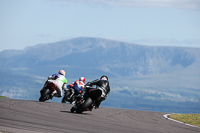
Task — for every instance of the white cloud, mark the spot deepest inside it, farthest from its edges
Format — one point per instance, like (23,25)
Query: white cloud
(169,42)
(13,93)
(183,4)
(43,35)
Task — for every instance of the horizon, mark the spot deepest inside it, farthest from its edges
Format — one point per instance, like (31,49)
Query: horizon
(96,38)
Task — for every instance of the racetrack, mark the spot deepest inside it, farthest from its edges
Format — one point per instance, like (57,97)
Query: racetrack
(47,117)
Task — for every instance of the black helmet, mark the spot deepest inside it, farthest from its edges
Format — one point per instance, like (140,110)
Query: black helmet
(104,77)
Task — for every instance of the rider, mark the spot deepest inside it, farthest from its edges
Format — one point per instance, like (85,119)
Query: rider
(60,81)
(77,86)
(103,85)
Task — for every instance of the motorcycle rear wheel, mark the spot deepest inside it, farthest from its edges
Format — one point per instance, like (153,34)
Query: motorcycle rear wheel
(73,109)
(44,95)
(84,106)
(65,98)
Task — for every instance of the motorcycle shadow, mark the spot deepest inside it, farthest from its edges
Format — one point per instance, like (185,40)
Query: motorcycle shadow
(84,113)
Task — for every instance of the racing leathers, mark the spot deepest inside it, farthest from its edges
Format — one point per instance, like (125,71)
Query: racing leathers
(102,85)
(77,88)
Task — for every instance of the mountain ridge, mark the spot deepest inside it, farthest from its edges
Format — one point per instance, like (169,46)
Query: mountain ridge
(105,55)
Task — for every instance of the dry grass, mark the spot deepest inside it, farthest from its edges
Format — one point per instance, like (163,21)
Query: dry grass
(193,119)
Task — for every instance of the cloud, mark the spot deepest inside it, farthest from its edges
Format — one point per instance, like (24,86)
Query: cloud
(182,4)
(169,42)
(43,35)
(14,93)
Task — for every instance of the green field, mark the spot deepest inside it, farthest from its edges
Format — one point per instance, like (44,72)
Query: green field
(3,97)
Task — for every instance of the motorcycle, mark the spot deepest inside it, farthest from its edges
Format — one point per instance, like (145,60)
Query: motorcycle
(68,95)
(47,92)
(87,102)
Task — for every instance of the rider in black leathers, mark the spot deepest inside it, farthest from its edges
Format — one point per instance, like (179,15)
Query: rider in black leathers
(103,85)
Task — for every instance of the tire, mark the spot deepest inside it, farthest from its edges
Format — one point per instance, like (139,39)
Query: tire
(72,109)
(44,95)
(67,95)
(84,106)
(41,99)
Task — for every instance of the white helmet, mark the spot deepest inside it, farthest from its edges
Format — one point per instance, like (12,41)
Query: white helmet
(62,72)
(82,79)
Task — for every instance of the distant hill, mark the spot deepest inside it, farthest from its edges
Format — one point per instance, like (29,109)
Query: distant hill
(141,77)
(95,54)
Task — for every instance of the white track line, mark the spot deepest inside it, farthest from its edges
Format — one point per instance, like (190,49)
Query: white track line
(167,117)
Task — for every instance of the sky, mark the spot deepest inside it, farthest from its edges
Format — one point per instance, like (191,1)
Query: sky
(26,23)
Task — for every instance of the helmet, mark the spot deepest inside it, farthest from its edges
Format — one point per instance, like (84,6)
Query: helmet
(104,77)
(62,72)
(82,79)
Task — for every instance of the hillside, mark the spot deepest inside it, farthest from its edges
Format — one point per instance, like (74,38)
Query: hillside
(148,76)
(113,57)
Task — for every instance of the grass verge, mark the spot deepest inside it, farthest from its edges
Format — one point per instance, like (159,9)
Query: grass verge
(3,97)
(193,119)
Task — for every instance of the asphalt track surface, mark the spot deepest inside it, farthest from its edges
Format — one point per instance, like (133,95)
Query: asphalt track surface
(21,116)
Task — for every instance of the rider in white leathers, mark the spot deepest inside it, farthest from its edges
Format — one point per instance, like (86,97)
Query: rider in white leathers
(60,81)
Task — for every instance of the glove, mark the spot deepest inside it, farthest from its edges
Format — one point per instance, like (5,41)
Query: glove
(88,84)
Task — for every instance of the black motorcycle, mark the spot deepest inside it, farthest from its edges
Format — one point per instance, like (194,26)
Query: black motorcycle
(87,102)
(68,95)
